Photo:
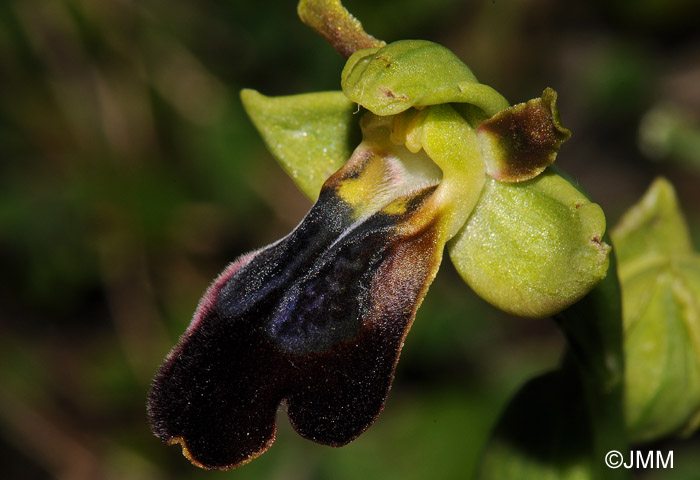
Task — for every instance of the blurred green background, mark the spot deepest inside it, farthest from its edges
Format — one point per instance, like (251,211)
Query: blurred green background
(129,177)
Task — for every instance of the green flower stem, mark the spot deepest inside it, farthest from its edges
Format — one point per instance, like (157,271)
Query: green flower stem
(593,328)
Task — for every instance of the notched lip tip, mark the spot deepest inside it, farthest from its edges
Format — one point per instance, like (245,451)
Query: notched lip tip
(186,452)
(188,455)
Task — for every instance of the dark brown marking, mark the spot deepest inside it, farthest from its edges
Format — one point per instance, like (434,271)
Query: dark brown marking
(529,134)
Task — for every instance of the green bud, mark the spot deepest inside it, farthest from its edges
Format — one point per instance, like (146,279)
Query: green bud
(654,227)
(532,248)
(660,277)
(414,73)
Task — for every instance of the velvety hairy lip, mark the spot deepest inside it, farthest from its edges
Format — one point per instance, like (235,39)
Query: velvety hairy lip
(316,321)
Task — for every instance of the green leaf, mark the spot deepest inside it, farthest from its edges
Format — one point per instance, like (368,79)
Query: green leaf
(532,248)
(414,73)
(309,134)
(544,434)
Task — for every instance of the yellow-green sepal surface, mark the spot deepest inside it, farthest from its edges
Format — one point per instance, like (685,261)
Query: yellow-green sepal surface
(532,248)
(660,277)
(308,134)
(414,73)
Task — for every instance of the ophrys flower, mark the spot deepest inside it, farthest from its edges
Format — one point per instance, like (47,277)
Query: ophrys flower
(317,320)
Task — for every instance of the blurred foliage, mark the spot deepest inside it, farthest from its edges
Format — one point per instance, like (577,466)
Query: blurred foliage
(129,176)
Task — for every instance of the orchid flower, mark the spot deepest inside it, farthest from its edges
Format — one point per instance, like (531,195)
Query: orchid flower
(316,321)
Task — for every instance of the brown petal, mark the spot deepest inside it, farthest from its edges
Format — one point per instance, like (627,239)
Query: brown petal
(521,141)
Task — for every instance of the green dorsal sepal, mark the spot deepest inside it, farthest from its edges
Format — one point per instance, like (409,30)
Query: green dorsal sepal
(414,73)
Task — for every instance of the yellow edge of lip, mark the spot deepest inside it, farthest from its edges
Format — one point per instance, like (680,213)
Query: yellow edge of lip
(188,455)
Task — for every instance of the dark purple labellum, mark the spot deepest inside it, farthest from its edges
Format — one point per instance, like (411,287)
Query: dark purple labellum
(316,320)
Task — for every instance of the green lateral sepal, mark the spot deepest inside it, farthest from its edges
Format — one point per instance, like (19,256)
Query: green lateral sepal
(532,248)
(308,134)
